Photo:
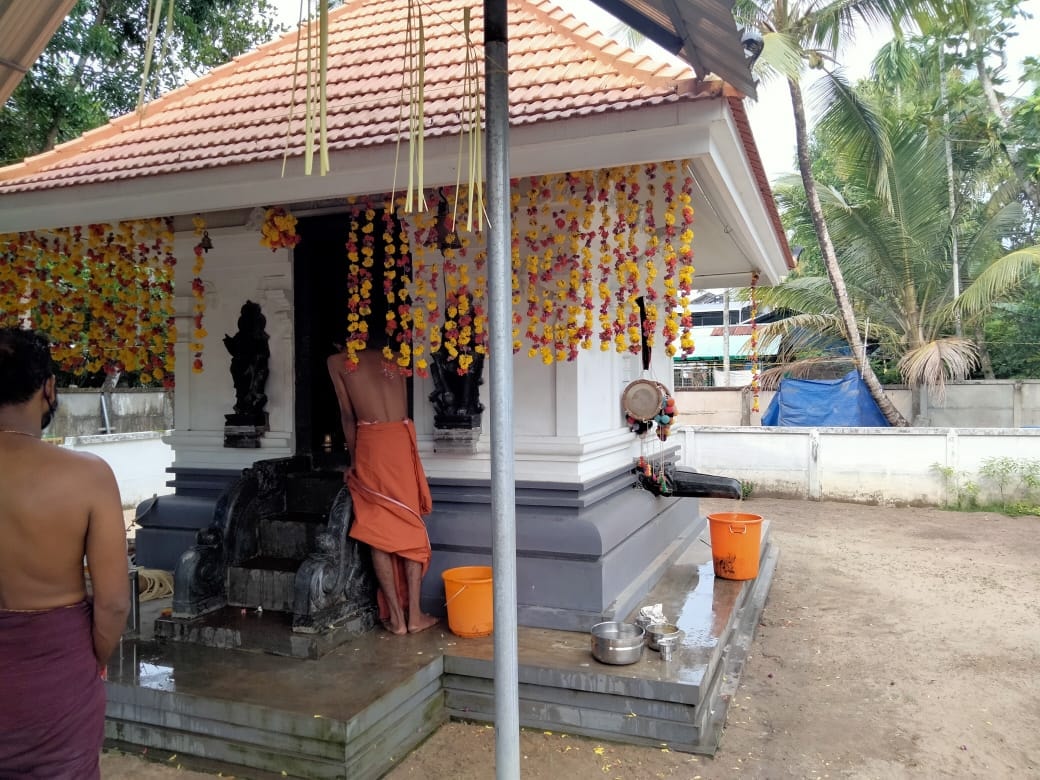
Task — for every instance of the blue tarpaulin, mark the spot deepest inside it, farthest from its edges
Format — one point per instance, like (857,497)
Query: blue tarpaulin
(806,403)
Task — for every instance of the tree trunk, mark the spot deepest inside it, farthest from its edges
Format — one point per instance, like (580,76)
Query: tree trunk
(985,361)
(830,260)
(1029,188)
(73,81)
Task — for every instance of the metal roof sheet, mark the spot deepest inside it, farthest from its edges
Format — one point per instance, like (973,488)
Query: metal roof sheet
(26,26)
(702,32)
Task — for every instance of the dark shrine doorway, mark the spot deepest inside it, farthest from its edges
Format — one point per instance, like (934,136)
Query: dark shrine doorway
(320,268)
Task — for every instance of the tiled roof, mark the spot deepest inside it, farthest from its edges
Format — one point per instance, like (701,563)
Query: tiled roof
(743,123)
(559,68)
(734,330)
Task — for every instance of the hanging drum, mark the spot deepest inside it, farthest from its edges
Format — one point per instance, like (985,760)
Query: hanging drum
(643,399)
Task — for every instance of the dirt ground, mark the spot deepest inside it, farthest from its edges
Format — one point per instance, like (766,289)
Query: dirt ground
(896,643)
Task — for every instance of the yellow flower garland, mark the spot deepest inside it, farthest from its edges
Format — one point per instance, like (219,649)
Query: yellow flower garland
(103,293)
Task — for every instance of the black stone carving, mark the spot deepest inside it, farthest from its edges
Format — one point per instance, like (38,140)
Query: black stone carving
(250,354)
(679,482)
(336,578)
(279,540)
(456,398)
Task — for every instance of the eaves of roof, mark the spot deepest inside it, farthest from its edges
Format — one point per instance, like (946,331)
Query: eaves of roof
(26,26)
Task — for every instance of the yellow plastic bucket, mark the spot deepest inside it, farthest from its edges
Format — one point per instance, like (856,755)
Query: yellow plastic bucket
(470,600)
(735,539)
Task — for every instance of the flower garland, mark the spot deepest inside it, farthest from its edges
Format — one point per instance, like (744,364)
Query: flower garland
(198,292)
(601,256)
(359,289)
(755,386)
(424,307)
(278,230)
(686,269)
(103,293)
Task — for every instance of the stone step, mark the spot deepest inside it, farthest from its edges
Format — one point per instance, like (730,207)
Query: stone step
(681,702)
(290,535)
(312,492)
(263,582)
(356,716)
(270,631)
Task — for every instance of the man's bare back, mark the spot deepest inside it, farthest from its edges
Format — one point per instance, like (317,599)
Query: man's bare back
(374,391)
(56,507)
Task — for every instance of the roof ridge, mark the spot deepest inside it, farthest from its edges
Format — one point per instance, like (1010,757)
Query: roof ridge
(624,59)
(116,125)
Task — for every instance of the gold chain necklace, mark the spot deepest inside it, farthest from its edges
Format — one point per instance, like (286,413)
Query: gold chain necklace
(19,433)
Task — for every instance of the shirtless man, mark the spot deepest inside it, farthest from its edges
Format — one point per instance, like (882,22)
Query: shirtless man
(55,507)
(387,483)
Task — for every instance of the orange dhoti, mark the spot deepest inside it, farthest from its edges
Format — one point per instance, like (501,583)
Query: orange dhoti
(390,494)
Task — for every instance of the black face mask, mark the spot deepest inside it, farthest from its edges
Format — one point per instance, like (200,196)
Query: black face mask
(52,407)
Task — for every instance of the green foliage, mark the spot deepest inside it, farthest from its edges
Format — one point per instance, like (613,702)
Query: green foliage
(1009,485)
(885,189)
(91,70)
(1015,482)
(746,488)
(961,494)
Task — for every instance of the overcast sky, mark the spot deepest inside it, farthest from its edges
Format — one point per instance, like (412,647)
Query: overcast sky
(770,115)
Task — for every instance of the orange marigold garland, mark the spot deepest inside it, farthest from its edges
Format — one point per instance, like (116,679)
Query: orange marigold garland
(606,329)
(359,289)
(686,269)
(587,248)
(278,230)
(516,263)
(198,292)
(424,290)
(393,326)
(102,293)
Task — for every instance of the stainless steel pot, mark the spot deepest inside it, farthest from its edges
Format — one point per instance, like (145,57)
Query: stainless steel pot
(614,642)
(662,633)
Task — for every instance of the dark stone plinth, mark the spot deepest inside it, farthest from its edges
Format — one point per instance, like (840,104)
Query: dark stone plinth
(279,545)
(244,431)
(454,422)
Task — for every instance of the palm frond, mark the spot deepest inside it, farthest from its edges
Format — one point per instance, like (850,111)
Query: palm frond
(895,63)
(838,21)
(807,368)
(782,55)
(1000,278)
(931,364)
(855,126)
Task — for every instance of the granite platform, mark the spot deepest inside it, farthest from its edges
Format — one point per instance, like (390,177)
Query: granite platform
(357,710)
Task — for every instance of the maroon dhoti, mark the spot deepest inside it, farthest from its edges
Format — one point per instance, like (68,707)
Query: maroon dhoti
(52,701)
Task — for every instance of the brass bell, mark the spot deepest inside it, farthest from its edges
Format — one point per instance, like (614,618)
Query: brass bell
(206,243)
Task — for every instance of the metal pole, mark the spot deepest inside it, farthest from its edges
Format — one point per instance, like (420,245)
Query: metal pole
(500,325)
(725,337)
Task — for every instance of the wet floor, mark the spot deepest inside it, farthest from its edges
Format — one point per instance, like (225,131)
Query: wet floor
(346,680)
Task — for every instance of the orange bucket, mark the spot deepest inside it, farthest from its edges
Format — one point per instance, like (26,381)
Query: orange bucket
(470,600)
(735,539)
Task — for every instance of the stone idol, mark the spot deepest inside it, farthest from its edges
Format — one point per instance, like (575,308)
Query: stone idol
(249,371)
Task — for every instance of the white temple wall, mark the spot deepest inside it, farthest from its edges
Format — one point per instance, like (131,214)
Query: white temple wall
(236,269)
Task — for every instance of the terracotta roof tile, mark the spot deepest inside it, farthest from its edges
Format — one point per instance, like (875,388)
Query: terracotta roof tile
(559,68)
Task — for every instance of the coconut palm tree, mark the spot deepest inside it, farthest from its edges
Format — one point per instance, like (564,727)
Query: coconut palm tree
(894,228)
(797,34)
